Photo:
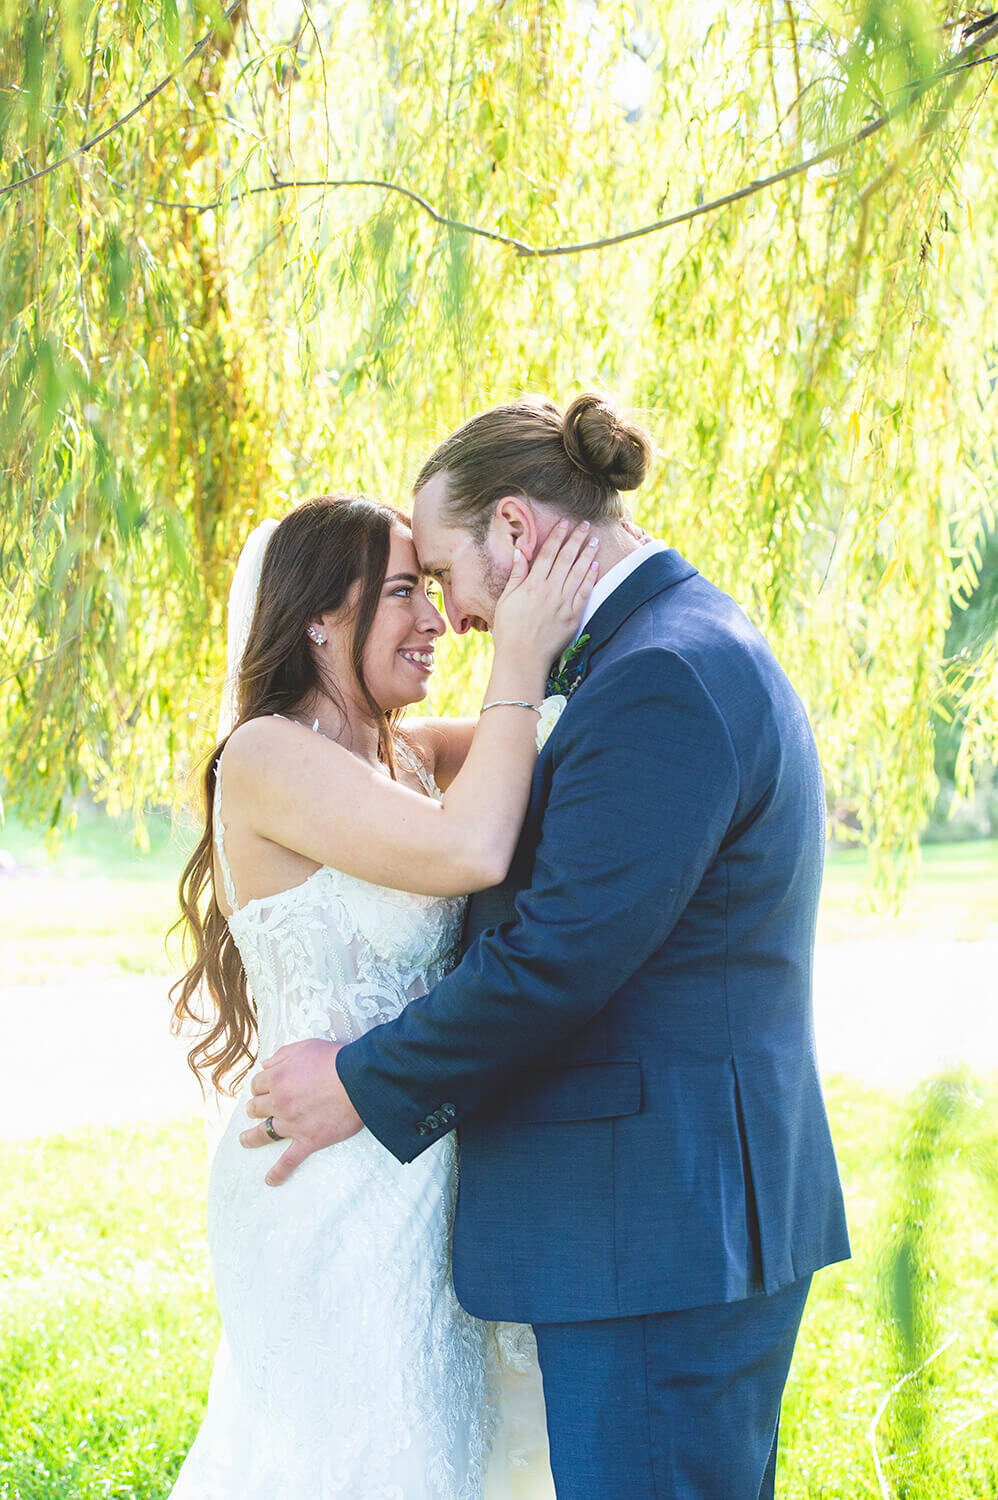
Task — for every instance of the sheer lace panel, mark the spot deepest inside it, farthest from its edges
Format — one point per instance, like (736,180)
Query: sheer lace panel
(218,830)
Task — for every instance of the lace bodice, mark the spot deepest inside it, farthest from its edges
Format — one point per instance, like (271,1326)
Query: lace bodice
(336,955)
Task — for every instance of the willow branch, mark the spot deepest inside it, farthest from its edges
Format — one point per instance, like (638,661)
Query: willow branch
(885,1401)
(986,32)
(143,103)
(961,64)
(520,246)
(37,661)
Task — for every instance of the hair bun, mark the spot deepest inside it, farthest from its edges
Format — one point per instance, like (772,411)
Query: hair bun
(601,443)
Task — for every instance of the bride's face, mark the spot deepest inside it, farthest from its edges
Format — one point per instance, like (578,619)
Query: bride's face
(398,652)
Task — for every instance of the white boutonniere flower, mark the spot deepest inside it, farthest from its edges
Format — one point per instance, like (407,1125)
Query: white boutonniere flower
(550,712)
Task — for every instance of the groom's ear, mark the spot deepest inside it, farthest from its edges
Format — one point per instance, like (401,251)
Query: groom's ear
(517,525)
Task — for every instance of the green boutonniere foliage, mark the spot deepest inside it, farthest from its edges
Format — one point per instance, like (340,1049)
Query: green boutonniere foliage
(569,674)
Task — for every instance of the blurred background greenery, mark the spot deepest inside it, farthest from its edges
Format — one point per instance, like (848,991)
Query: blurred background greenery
(99,906)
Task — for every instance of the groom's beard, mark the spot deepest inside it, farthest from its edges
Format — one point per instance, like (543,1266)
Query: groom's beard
(494,580)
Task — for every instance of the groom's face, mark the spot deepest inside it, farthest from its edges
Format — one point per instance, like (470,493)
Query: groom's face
(471,574)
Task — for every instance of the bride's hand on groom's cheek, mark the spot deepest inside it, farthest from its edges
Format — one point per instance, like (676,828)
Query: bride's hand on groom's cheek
(298,1091)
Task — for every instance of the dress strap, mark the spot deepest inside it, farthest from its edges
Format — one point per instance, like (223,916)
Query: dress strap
(415,765)
(426,779)
(218,829)
(301,725)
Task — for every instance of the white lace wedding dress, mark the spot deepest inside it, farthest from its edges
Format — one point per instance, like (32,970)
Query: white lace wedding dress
(346,1366)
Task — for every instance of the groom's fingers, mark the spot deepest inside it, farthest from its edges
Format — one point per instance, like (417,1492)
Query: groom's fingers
(282,1052)
(257,1135)
(261,1105)
(287,1162)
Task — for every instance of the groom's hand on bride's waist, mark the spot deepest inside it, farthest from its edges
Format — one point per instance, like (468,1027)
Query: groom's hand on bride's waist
(299,1096)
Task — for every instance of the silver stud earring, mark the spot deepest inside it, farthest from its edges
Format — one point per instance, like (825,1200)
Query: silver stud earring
(313,635)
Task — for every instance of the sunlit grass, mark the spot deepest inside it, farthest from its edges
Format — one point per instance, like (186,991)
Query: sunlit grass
(108,1326)
(95,908)
(57,929)
(107,1322)
(953,896)
(846,1361)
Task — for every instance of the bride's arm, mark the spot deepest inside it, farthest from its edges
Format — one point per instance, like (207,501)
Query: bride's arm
(309,794)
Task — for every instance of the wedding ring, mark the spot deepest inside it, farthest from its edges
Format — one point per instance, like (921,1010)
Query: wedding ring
(268,1126)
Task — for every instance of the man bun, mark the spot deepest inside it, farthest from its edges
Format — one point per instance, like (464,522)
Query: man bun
(600,442)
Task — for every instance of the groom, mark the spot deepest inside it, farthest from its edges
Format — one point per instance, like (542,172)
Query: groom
(647,1174)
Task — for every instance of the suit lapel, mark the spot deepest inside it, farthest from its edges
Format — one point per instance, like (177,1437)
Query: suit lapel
(660,572)
(655,575)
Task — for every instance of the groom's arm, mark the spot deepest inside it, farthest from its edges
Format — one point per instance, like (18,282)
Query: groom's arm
(644,786)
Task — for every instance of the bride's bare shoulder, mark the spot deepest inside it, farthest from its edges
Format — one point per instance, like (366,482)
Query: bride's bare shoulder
(424,736)
(266,747)
(258,737)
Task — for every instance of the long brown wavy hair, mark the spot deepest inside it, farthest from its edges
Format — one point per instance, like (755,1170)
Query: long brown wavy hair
(312,560)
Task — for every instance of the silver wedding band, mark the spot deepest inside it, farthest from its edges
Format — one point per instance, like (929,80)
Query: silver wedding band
(268,1126)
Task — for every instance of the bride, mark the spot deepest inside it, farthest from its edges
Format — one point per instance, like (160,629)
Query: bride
(325,893)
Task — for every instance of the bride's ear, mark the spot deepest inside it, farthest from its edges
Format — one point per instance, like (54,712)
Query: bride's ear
(321,627)
(516,525)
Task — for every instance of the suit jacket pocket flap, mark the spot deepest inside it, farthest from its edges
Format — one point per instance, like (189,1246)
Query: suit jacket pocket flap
(588,1091)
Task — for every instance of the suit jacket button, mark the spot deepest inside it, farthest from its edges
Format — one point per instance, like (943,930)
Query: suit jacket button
(448,1111)
(422,1128)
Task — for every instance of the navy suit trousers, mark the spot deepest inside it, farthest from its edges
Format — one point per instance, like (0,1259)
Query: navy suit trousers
(670,1406)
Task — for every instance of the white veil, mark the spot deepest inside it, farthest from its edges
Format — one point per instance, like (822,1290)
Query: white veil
(242,606)
(218,1107)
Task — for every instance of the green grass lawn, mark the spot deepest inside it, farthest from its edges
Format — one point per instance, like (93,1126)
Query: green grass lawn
(98,906)
(107,1322)
(954,895)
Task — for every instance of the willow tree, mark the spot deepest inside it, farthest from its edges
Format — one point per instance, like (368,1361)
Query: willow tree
(255,254)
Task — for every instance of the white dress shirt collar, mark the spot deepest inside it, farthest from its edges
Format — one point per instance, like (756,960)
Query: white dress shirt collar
(615,576)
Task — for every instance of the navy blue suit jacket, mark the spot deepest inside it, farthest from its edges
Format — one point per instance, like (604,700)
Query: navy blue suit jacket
(627,1044)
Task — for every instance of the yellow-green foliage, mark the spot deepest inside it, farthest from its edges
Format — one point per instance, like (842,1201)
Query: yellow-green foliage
(816,360)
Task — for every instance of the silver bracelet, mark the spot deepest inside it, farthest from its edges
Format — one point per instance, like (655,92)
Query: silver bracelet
(510,703)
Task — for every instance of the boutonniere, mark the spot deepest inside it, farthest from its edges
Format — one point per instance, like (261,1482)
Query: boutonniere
(569,673)
(549,713)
